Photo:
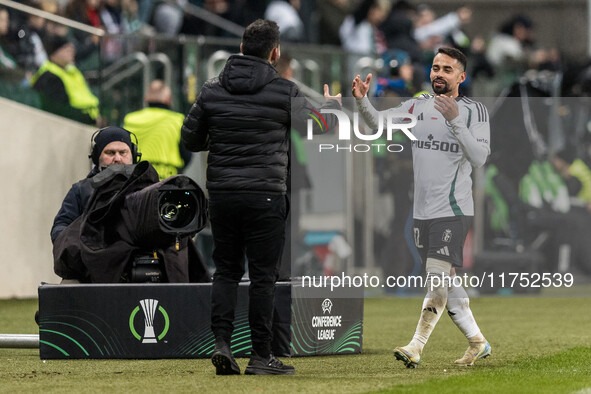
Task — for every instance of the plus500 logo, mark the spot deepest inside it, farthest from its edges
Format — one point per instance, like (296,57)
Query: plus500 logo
(437,145)
(344,133)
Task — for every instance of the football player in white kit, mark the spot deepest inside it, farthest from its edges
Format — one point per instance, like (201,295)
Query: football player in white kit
(453,134)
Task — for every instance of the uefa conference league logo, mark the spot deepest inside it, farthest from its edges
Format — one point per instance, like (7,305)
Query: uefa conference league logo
(326,305)
(326,326)
(149,307)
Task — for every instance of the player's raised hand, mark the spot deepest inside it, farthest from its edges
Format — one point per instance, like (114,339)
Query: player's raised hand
(329,97)
(360,88)
(447,106)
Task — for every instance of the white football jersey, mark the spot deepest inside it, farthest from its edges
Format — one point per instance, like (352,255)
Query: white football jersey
(442,158)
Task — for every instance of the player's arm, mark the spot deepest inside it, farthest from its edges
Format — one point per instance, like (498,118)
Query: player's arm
(359,89)
(474,141)
(371,115)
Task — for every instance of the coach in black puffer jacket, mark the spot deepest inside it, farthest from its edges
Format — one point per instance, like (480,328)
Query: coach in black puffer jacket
(244,118)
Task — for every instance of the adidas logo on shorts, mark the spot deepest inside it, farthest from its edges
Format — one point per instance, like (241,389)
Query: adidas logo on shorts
(444,251)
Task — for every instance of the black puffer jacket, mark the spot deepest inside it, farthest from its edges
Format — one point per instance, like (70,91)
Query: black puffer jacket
(243,117)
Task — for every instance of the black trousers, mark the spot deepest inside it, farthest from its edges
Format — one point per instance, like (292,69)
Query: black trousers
(251,225)
(292,236)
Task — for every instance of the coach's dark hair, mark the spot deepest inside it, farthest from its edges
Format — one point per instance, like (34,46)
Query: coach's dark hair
(260,38)
(455,54)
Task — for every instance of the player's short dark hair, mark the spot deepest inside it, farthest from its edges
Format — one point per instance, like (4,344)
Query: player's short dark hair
(454,54)
(260,38)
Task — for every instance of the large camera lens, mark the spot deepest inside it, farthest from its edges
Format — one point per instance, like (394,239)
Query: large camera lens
(169,212)
(178,208)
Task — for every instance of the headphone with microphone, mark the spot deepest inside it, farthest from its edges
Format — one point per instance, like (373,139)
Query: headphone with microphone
(95,154)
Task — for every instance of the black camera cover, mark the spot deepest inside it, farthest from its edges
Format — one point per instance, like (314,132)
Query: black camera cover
(164,211)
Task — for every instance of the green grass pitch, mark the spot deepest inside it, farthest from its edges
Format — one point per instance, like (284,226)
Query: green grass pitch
(540,345)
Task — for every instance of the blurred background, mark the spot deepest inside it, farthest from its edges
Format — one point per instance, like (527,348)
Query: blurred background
(529,62)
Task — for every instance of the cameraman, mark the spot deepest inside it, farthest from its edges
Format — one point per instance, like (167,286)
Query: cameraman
(112,145)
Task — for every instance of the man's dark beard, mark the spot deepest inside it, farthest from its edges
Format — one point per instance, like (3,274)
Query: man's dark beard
(442,90)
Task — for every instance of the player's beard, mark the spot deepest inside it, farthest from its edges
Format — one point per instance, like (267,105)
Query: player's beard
(440,90)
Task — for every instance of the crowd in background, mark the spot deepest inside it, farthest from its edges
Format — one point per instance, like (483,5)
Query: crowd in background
(403,34)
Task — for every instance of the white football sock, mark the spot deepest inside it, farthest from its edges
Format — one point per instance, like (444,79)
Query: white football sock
(458,308)
(434,302)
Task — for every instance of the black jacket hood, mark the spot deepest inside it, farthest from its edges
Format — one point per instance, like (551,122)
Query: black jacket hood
(246,74)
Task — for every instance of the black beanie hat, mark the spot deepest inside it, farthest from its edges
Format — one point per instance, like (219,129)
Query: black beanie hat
(106,136)
(54,42)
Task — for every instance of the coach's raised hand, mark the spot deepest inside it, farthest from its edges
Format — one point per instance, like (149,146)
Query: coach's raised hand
(360,88)
(327,95)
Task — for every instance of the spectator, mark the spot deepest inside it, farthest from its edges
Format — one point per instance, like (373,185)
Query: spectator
(432,33)
(546,60)
(51,27)
(509,47)
(332,13)
(575,173)
(113,21)
(244,12)
(131,20)
(144,10)
(398,30)
(577,177)
(112,17)
(84,11)
(285,14)
(222,8)
(158,130)
(87,12)
(27,47)
(168,17)
(56,29)
(481,65)
(7,62)
(358,31)
(545,189)
(396,77)
(62,87)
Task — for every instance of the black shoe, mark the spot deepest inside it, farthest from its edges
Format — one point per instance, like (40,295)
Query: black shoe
(267,366)
(223,360)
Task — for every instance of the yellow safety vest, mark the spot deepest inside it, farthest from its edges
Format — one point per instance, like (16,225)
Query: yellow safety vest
(158,131)
(580,171)
(79,94)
